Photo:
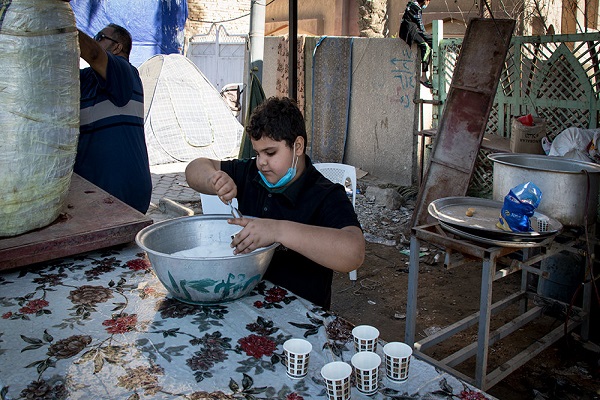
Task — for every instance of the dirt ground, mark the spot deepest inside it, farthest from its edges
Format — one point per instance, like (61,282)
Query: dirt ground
(566,370)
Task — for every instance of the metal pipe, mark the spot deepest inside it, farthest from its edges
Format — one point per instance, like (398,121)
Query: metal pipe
(293,50)
(257,36)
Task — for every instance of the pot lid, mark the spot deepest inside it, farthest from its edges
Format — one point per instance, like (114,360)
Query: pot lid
(544,163)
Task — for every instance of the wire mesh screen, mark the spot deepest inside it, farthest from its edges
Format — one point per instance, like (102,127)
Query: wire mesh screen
(482,178)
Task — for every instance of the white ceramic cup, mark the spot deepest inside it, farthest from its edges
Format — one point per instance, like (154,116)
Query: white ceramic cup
(397,360)
(337,380)
(365,338)
(366,367)
(297,355)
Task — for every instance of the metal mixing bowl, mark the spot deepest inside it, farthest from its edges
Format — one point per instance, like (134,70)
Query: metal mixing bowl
(202,280)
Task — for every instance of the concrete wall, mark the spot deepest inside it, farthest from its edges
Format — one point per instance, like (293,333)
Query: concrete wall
(380,140)
(340,17)
(533,18)
(233,14)
(315,17)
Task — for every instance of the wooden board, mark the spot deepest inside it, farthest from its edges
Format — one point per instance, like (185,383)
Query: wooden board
(91,219)
(494,143)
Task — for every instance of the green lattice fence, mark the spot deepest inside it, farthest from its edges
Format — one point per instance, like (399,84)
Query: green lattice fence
(554,77)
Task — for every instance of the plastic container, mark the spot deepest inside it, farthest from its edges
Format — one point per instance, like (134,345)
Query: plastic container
(39,117)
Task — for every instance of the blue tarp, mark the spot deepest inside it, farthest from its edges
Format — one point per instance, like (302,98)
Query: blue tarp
(155,25)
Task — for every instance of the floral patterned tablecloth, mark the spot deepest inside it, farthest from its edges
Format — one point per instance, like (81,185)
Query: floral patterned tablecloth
(101,326)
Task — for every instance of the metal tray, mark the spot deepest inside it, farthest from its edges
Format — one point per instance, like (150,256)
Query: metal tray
(452,211)
(495,242)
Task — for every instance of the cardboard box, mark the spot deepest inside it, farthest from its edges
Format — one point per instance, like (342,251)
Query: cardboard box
(527,139)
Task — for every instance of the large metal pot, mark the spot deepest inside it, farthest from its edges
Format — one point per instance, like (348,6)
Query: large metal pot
(563,183)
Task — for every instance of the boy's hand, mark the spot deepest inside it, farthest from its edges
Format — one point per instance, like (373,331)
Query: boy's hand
(223,185)
(256,233)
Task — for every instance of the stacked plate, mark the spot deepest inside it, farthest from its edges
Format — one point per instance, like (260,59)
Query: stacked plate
(475,218)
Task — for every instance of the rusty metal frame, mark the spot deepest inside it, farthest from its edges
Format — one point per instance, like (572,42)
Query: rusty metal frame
(470,98)
(490,257)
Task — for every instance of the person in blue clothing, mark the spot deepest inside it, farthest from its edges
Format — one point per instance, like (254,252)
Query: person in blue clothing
(112,152)
(413,30)
(294,205)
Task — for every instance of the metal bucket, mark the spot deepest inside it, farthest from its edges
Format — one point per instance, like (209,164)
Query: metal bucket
(563,183)
(565,273)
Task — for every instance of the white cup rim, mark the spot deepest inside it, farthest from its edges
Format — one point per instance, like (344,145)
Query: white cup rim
(297,346)
(336,370)
(366,332)
(397,349)
(366,360)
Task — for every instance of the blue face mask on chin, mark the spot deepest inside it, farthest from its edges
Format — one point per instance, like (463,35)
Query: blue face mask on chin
(424,6)
(287,178)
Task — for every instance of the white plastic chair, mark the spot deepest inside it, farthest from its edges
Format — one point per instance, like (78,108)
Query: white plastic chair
(212,204)
(340,173)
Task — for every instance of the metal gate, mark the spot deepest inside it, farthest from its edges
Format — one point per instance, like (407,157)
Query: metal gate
(554,77)
(219,55)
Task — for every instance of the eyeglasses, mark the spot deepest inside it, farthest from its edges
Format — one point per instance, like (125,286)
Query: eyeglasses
(99,36)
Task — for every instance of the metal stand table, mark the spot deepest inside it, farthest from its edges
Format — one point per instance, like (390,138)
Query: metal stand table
(491,257)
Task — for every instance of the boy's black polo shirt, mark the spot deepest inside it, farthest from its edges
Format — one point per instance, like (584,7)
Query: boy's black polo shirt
(312,199)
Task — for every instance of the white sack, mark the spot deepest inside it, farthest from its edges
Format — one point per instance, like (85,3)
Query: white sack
(577,144)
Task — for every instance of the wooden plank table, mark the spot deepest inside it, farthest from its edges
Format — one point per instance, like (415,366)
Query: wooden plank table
(91,219)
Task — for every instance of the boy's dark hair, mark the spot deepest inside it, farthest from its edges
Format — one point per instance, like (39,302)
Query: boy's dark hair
(122,36)
(278,118)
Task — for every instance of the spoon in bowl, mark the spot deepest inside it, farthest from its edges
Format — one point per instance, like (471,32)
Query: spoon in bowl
(234,211)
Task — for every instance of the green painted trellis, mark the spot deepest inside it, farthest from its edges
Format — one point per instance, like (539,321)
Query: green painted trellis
(555,77)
